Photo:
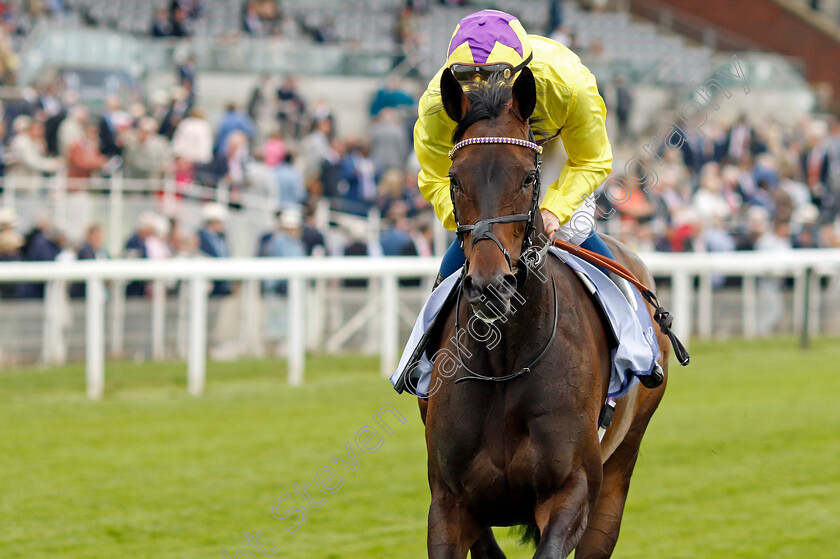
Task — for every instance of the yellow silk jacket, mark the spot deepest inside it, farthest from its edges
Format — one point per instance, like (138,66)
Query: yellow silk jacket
(568,105)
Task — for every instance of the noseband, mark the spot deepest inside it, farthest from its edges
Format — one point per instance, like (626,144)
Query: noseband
(482,229)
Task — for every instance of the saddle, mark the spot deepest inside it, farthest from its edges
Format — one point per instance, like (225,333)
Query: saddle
(616,315)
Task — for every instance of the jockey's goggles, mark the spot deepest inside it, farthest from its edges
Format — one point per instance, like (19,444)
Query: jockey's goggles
(466,73)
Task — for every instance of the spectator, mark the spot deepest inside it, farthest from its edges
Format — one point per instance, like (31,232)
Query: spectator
(397,237)
(807,220)
(186,77)
(52,124)
(274,149)
(313,240)
(708,202)
(318,149)
(180,23)
(193,139)
(258,100)
(161,26)
(136,248)
(84,157)
(388,142)
(284,243)
(623,106)
(236,158)
(26,155)
(212,241)
(259,177)
(555,15)
(774,239)
(93,248)
(10,243)
(291,107)
(179,107)
(252,23)
(233,120)
(815,167)
(391,190)
(157,244)
(40,246)
(181,243)
(48,102)
(358,177)
(110,124)
(290,190)
(71,129)
(391,96)
(740,140)
(9,61)
(192,8)
(146,155)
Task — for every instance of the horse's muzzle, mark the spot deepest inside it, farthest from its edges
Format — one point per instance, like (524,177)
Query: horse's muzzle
(489,298)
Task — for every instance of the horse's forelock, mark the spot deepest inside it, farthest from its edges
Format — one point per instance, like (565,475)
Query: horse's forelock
(487,101)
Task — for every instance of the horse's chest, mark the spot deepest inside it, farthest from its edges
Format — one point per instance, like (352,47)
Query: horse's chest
(497,458)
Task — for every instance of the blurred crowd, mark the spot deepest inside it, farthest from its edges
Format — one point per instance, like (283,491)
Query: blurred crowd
(742,185)
(278,147)
(746,186)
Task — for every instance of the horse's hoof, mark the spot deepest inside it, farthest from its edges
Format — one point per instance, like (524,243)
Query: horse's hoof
(655,379)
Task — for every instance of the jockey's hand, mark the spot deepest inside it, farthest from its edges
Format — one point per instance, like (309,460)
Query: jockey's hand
(552,224)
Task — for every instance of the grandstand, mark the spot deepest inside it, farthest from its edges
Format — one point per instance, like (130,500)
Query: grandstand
(160,65)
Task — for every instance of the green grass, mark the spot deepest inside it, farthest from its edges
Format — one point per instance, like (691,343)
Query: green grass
(741,460)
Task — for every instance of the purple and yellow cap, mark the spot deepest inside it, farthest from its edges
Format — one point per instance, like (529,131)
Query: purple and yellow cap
(489,37)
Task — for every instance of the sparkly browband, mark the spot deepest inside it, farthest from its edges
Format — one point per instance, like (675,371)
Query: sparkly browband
(495,140)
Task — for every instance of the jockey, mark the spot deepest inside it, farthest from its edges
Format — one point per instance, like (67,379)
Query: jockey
(568,105)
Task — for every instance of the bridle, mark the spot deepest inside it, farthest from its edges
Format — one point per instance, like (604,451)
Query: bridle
(481,230)
(530,255)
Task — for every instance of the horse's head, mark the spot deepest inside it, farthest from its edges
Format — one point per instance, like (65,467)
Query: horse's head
(495,184)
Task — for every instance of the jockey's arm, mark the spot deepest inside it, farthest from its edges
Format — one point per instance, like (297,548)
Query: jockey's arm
(432,142)
(585,139)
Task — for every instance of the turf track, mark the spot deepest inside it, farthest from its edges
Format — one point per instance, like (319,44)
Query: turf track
(741,461)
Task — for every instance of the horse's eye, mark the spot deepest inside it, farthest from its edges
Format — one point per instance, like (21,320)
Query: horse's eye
(529,180)
(453,183)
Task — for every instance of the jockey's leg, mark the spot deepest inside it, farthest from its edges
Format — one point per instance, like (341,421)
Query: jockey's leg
(596,244)
(452,261)
(580,230)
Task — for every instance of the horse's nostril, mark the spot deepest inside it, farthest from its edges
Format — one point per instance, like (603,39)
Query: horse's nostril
(471,290)
(509,283)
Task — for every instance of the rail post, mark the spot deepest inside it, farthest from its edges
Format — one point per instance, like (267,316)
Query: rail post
(197,356)
(95,338)
(297,330)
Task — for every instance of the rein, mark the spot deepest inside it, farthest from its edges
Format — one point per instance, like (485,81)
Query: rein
(660,315)
(521,372)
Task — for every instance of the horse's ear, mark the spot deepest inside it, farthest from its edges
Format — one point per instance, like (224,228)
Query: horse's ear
(525,93)
(452,95)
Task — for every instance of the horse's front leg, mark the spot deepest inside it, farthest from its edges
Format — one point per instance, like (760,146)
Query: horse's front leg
(452,529)
(562,518)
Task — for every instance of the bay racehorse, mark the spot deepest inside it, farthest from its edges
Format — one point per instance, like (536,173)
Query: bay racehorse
(522,448)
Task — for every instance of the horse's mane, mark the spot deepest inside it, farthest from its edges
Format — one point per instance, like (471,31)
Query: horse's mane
(487,100)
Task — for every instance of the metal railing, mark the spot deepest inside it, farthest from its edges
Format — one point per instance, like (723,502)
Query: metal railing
(808,268)
(115,202)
